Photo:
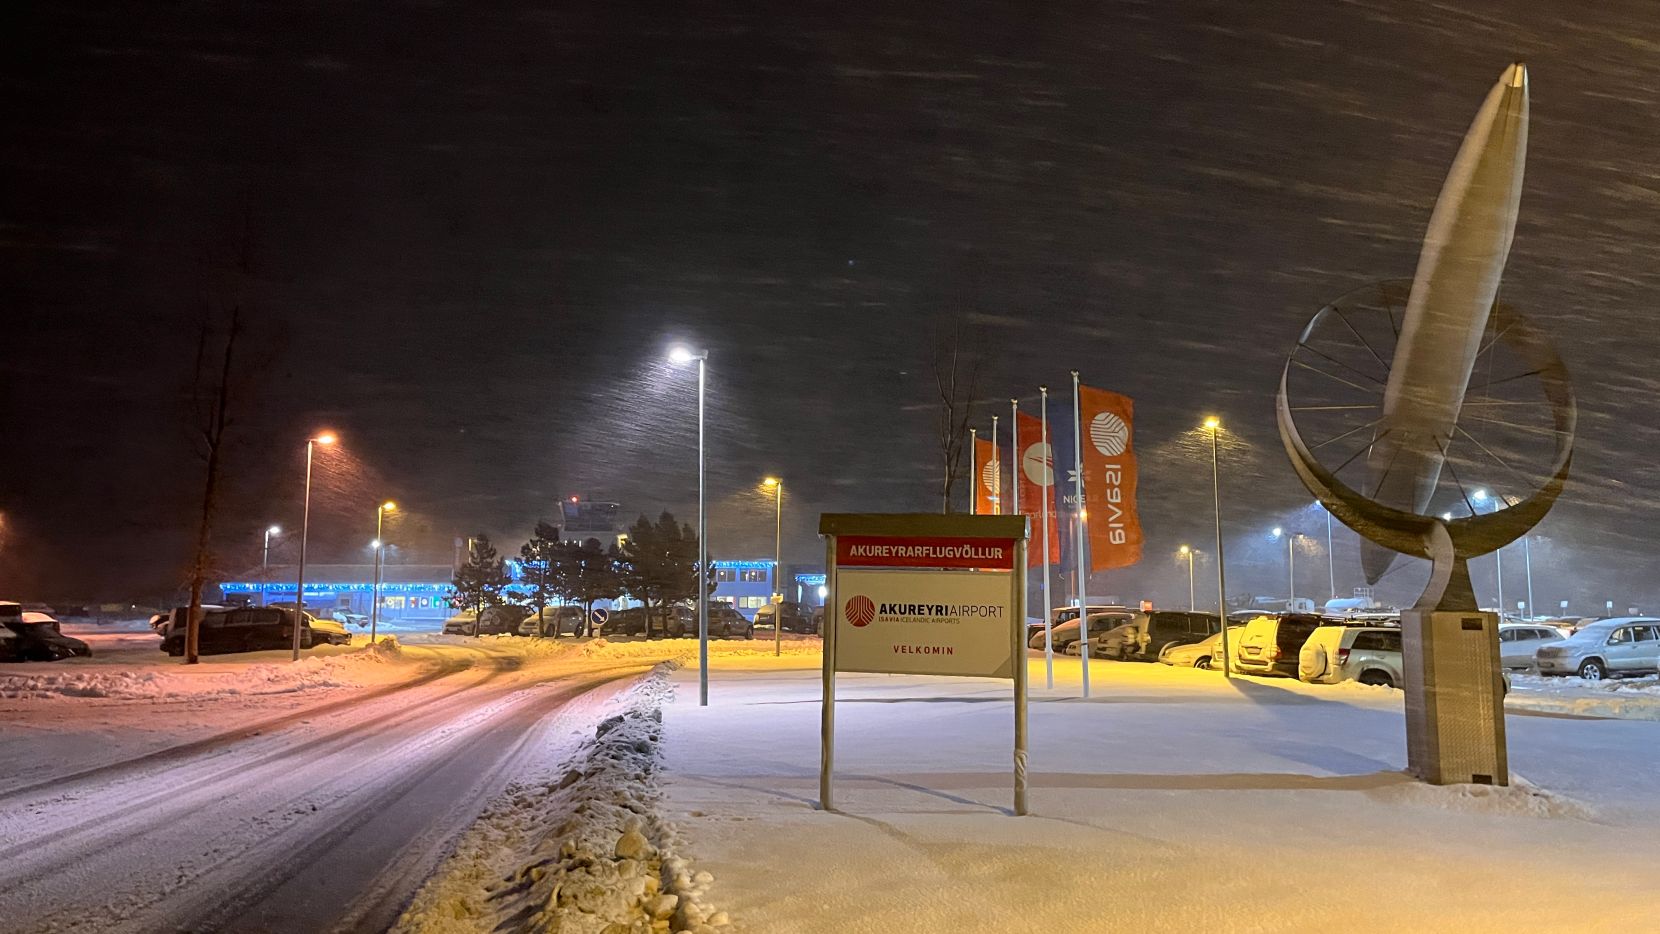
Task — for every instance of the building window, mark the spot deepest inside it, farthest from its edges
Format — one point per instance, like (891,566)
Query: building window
(753,576)
(752,603)
(725,574)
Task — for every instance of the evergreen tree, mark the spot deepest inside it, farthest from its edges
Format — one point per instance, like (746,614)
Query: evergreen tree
(585,573)
(539,556)
(480,583)
(658,565)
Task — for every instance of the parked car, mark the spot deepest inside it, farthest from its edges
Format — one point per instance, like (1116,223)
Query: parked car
(724,622)
(251,629)
(1064,634)
(1153,631)
(494,621)
(1061,615)
(1519,641)
(1368,654)
(34,637)
(555,621)
(162,623)
(1271,645)
(348,618)
(626,622)
(795,617)
(818,619)
(1202,654)
(1604,649)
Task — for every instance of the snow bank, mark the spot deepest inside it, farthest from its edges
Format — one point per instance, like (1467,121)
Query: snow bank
(582,850)
(178,681)
(1521,799)
(1624,698)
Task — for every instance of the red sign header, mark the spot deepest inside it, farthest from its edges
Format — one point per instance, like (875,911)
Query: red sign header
(868,551)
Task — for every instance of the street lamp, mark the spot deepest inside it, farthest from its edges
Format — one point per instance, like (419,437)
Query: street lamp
(265,566)
(683,354)
(380,546)
(1214,426)
(1188,553)
(305,530)
(1331,557)
(1482,496)
(1290,565)
(777,487)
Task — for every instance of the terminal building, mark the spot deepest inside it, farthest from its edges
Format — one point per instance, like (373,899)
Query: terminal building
(418,593)
(408,592)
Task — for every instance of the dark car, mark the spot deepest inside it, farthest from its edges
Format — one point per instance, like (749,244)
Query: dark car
(795,617)
(252,629)
(724,622)
(37,641)
(1154,631)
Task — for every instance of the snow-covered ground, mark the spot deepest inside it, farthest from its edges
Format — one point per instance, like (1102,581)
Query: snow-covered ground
(1172,800)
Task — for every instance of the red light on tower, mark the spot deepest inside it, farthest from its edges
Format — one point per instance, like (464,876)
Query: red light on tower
(573,499)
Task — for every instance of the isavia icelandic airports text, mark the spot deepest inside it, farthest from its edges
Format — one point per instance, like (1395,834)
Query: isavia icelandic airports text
(987,610)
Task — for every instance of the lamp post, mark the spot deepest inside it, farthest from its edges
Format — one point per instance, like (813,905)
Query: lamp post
(777,486)
(305,530)
(684,354)
(1187,553)
(265,566)
(1214,426)
(380,546)
(1476,498)
(1290,565)
(1331,557)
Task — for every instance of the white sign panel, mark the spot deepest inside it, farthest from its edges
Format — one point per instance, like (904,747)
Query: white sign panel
(925,622)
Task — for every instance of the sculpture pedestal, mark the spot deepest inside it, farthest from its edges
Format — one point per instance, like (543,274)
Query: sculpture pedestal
(1454,697)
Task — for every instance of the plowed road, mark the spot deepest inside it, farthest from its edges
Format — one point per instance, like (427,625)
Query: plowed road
(323,819)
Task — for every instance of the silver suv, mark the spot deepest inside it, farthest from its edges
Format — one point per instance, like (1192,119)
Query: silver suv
(1605,648)
(1519,641)
(1368,654)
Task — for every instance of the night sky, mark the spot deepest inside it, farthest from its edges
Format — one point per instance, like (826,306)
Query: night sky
(476,228)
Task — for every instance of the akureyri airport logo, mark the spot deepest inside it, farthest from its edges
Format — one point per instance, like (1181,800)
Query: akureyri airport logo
(859,610)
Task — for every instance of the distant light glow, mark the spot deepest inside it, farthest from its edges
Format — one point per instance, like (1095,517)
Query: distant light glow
(1446,517)
(326,437)
(273,530)
(1278,531)
(388,506)
(1212,423)
(823,592)
(771,482)
(680,353)
(375,544)
(1184,550)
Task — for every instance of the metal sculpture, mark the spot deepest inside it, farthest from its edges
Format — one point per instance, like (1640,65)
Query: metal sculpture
(1425,416)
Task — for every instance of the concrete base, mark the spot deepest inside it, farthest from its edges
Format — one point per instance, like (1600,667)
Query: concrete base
(1454,698)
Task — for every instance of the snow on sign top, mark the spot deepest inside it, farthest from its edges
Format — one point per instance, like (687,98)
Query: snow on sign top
(871,551)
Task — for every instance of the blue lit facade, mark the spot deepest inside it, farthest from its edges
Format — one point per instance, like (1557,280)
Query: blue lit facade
(407,591)
(747,584)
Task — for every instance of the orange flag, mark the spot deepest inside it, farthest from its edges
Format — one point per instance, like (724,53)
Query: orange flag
(1035,463)
(985,477)
(1109,478)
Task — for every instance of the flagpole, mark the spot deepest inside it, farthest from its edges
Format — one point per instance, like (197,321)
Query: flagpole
(1014,457)
(1047,491)
(974,471)
(996,472)
(1083,515)
(1015,462)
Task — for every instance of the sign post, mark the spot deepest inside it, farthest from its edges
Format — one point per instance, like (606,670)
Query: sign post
(929,595)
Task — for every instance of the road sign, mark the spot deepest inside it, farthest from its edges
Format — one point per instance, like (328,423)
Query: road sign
(599,615)
(925,594)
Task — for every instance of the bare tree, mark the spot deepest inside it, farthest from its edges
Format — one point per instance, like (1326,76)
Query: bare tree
(215,391)
(956,377)
(211,398)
